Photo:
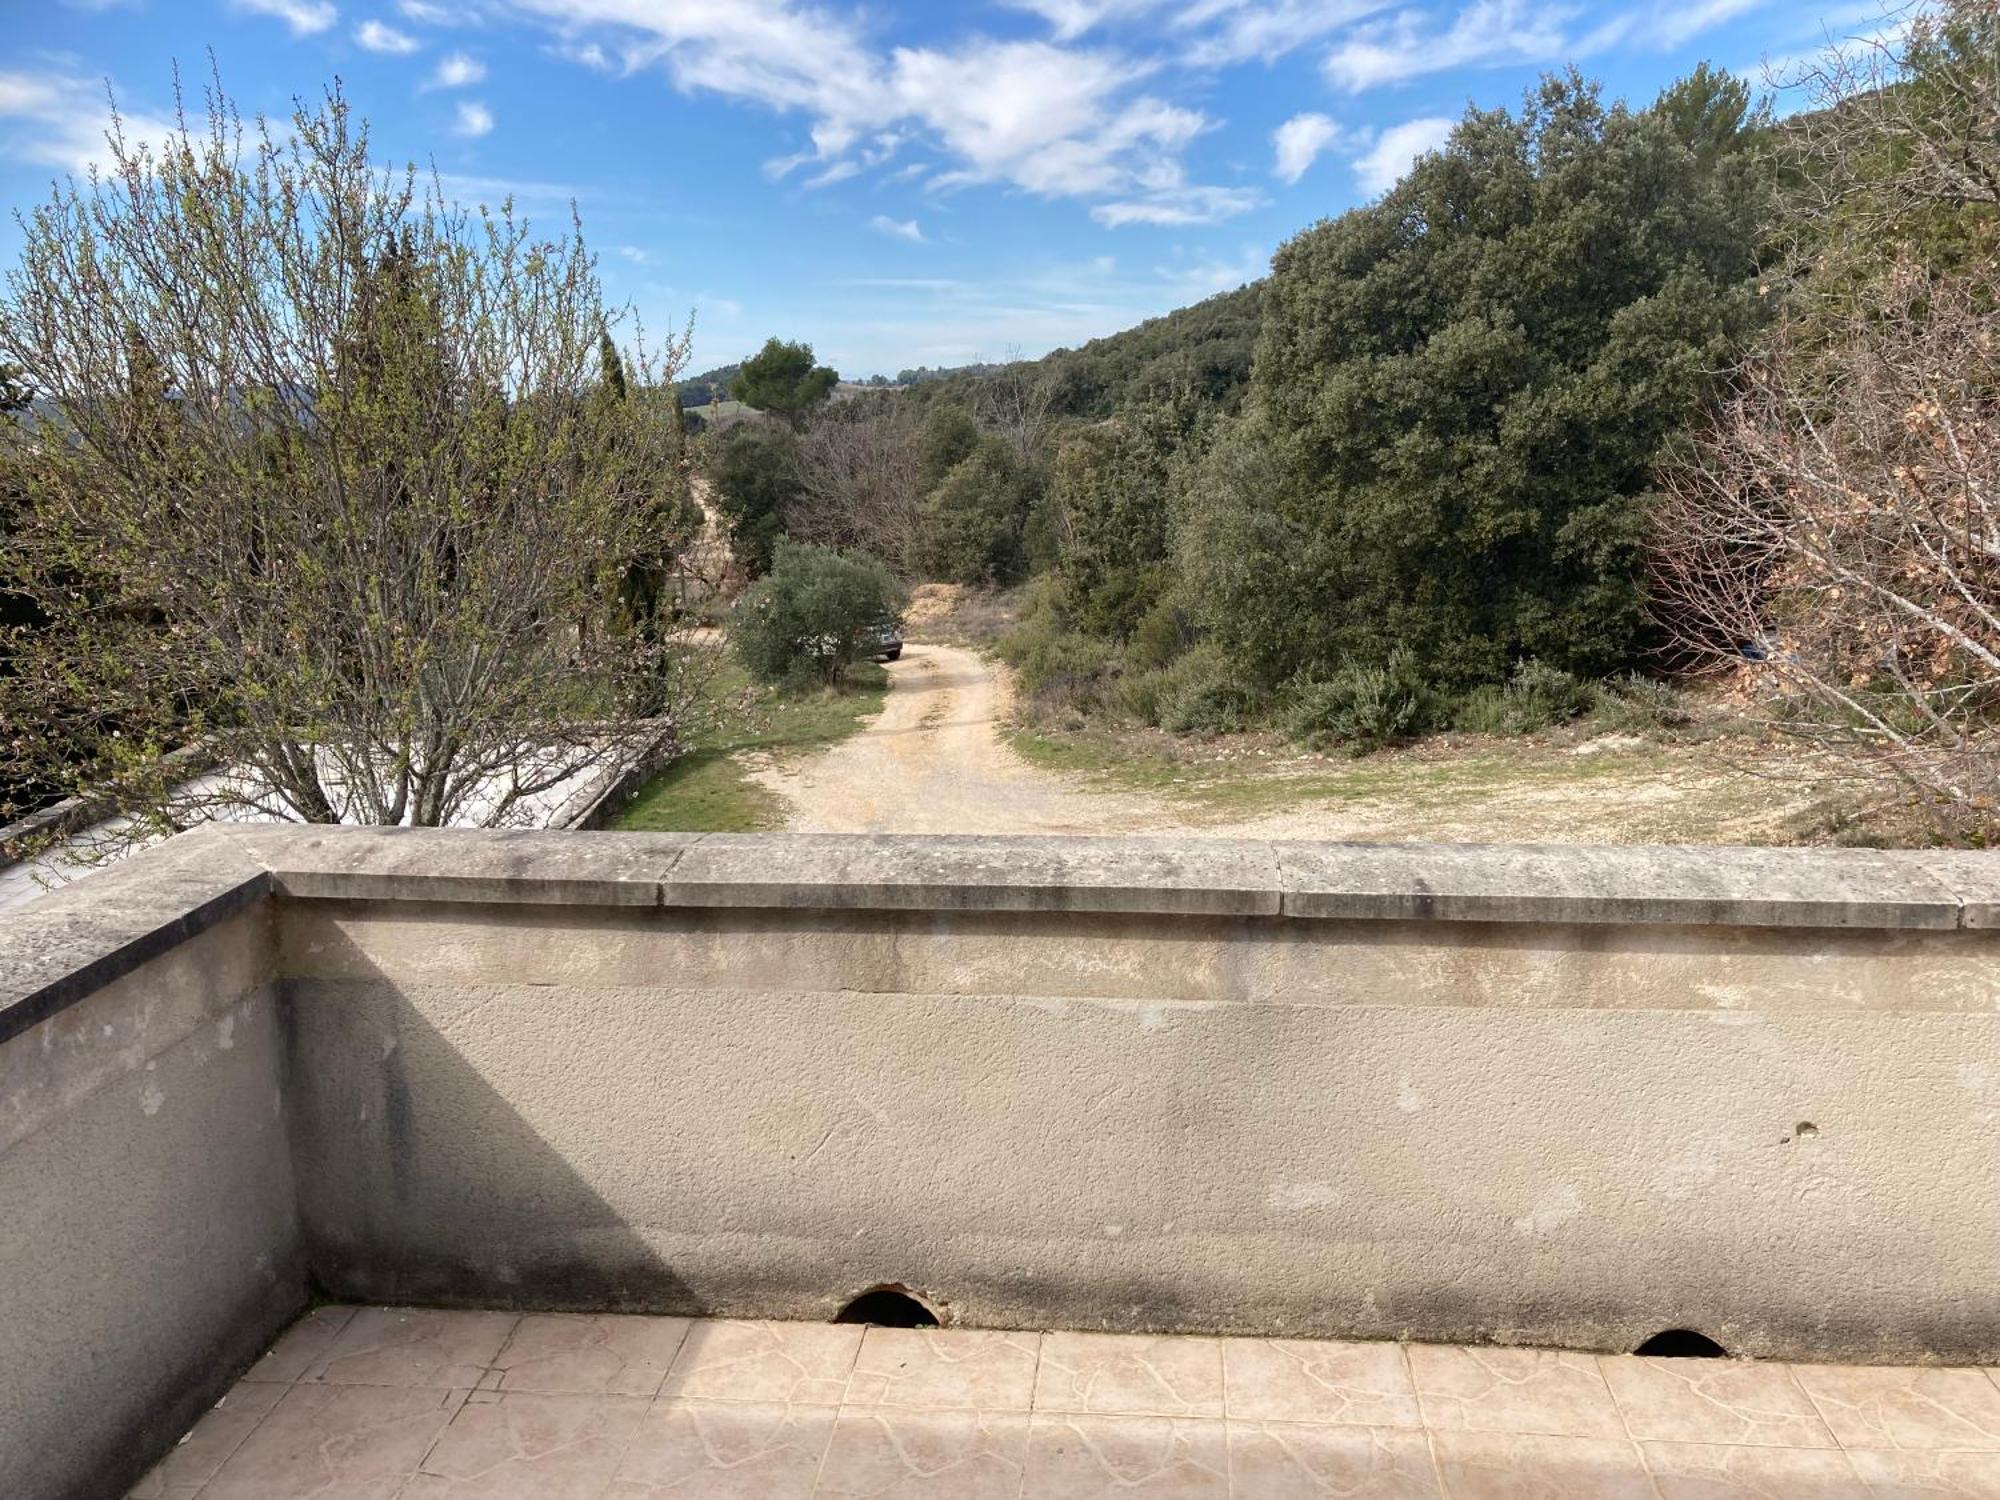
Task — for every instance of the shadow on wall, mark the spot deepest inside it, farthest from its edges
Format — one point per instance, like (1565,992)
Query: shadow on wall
(420,1182)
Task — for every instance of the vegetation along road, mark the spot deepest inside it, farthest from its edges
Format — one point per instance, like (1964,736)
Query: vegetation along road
(940,759)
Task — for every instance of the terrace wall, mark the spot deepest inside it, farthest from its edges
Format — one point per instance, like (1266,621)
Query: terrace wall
(1534,1095)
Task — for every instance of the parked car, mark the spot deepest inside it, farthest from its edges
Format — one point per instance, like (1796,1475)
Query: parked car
(888,643)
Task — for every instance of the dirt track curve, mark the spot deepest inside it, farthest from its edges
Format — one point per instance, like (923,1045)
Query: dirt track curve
(934,761)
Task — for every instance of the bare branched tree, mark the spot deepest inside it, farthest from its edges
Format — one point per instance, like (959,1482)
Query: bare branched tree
(340,483)
(861,480)
(1017,400)
(1841,525)
(1835,523)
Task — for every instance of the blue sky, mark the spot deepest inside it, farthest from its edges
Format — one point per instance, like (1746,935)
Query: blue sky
(898,182)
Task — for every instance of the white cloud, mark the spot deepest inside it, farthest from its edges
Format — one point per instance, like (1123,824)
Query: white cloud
(473,119)
(1674,25)
(428,13)
(902,229)
(52,120)
(1485,33)
(1054,120)
(1298,143)
(376,37)
(1379,167)
(634,254)
(1180,206)
(457,70)
(1072,18)
(304,17)
(1225,32)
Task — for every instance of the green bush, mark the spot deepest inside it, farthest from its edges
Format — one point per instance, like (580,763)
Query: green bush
(814,614)
(1484,710)
(1058,671)
(1205,692)
(1636,704)
(1365,708)
(1541,695)
(1160,636)
(1534,698)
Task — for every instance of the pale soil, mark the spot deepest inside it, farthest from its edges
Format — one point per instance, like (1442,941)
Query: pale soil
(935,761)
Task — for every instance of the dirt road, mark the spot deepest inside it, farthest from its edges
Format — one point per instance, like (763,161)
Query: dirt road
(934,761)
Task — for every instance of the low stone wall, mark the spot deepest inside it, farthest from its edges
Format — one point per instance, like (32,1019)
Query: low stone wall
(149,1234)
(1533,1095)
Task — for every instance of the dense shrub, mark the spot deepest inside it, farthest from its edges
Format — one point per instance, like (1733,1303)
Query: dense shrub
(1207,692)
(976,518)
(1364,707)
(755,471)
(814,614)
(1636,704)
(1536,697)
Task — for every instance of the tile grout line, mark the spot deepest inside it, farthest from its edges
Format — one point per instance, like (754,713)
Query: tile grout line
(1625,1421)
(840,1406)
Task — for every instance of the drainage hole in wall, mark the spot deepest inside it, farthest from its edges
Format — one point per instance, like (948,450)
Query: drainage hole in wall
(888,1307)
(1682,1343)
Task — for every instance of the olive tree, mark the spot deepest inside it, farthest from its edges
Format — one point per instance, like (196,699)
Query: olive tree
(325,476)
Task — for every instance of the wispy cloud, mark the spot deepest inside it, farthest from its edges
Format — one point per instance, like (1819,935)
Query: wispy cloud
(472,119)
(1395,149)
(1486,33)
(902,229)
(304,17)
(378,37)
(1298,142)
(54,120)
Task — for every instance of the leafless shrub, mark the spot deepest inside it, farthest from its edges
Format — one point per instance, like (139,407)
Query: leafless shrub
(861,480)
(1838,524)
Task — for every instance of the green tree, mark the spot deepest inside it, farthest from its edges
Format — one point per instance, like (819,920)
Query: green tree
(1460,391)
(975,520)
(949,435)
(783,380)
(1114,491)
(755,471)
(816,613)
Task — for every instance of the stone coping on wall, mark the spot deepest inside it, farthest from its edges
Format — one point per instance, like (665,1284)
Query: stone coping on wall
(65,945)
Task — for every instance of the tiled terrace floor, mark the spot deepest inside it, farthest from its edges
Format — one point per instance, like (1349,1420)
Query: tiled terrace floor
(374,1404)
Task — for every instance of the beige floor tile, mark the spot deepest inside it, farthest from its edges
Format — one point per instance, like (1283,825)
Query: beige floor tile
(1714,1471)
(302,1345)
(1927,1476)
(564,1354)
(764,1362)
(1513,1390)
(1881,1407)
(709,1450)
(220,1432)
(1714,1401)
(1284,1380)
(354,1442)
(925,1455)
(1287,1461)
(1158,1458)
(1129,1375)
(413,1347)
(1535,1466)
(518,1446)
(929,1369)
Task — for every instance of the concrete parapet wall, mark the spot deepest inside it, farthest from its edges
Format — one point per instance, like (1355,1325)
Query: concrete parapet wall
(1535,1095)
